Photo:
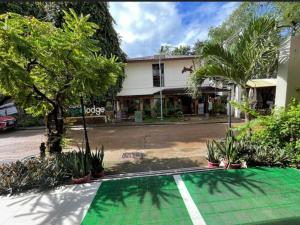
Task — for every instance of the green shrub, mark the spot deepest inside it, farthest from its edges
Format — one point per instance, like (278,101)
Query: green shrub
(48,172)
(274,139)
(219,108)
(41,173)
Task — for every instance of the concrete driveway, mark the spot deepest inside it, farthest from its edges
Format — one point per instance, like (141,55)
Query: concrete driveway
(17,144)
(162,146)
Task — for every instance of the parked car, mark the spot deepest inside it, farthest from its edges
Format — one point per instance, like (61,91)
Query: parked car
(7,122)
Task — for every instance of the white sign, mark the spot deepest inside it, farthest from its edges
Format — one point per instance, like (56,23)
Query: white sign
(94,110)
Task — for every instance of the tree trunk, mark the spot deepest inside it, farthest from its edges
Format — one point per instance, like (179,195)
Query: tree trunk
(55,130)
(87,144)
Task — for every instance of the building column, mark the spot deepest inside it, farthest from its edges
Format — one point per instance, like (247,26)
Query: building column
(166,104)
(238,98)
(141,104)
(288,79)
(118,106)
(152,106)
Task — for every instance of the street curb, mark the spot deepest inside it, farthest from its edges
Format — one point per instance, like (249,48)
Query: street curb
(151,124)
(131,124)
(30,128)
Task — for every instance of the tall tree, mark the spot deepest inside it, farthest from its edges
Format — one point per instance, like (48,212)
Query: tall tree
(179,50)
(289,15)
(46,69)
(109,41)
(252,55)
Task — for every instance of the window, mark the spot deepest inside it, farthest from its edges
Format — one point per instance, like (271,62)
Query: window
(156,77)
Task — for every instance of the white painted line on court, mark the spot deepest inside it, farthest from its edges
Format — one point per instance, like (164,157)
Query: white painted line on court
(85,210)
(190,205)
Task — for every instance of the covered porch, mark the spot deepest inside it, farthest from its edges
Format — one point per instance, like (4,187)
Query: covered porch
(174,100)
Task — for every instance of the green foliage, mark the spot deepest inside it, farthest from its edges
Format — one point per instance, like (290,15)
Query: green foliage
(78,163)
(219,108)
(42,65)
(108,39)
(40,173)
(212,151)
(29,121)
(97,160)
(180,50)
(48,172)
(230,149)
(274,139)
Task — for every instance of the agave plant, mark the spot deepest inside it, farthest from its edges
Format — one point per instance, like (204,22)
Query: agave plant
(230,149)
(97,160)
(212,151)
(78,164)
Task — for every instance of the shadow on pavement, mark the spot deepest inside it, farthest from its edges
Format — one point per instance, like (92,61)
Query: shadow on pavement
(153,164)
(63,206)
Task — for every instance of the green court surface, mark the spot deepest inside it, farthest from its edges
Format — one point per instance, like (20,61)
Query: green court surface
(146,200)
(247,196)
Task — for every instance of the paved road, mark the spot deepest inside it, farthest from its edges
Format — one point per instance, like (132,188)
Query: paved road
(17,144)
(165,146)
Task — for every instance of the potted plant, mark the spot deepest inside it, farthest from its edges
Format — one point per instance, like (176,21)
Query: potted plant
(230,150)
(212,154)
(79,167)
(97,163)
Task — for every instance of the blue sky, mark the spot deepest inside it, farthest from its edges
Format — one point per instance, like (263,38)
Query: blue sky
(145,26)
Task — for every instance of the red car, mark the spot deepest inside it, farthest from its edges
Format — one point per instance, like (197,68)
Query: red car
(7,122)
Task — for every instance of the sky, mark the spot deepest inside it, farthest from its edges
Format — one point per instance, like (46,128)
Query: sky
(144,26)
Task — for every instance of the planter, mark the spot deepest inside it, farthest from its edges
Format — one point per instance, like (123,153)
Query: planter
(233,165)
(99,174)
(82,180)
(213,165)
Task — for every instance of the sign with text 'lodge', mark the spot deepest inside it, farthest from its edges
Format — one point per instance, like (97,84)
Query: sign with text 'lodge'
(91,110)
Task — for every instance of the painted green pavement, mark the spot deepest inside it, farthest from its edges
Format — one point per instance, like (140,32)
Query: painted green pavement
(248,196)
(147,200)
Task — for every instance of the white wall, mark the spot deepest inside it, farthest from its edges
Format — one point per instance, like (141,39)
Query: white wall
(139,80)
(288,78)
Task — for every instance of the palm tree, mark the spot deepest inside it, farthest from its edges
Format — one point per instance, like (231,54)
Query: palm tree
(252,55)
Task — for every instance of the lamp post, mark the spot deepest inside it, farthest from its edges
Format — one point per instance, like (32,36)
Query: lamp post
(160,89)
(229,105)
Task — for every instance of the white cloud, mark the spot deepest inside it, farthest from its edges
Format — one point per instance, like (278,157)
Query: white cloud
(145,26)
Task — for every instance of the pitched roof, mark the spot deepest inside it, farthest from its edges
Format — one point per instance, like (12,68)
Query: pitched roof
(155,58)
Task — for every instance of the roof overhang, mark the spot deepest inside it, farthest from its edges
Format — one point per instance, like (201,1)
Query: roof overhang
(163,58)
(260,83)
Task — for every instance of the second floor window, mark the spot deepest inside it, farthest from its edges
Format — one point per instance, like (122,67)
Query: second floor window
(156,77)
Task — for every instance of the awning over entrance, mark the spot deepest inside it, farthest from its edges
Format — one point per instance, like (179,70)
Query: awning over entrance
(183,91)
(138,92)
(259,83)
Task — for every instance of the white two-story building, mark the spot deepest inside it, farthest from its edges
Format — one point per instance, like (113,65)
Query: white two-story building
(141,88)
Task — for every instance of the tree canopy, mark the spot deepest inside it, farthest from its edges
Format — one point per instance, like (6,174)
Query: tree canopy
(108,39)
(253,55)
(287,14)
(45,69)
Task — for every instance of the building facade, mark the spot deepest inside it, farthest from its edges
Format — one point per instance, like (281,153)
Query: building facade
(141,87)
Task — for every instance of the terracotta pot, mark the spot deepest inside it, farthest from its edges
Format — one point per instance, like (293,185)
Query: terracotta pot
(99,174)
(233,165)
(213,165)
(82,180)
